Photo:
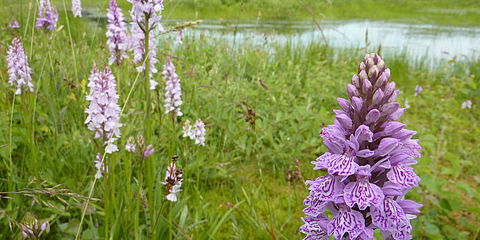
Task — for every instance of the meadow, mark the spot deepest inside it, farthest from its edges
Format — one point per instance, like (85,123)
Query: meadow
(263,107)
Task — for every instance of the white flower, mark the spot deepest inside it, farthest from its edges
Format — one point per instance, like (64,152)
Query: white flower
(173,89)
(467,104)
(77,8)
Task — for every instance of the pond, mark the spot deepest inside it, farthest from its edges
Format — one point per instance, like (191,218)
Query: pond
(416,40)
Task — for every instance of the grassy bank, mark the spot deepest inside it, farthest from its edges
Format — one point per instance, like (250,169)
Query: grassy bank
(235,187)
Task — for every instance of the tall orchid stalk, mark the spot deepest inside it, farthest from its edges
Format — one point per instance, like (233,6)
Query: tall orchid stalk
(146,16)
(368,164)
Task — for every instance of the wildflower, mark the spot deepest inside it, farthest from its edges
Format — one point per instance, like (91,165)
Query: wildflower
(196,133)
(14,24)
(146,16)
(138,46)
(418,90)
(103,111)
(18,70)
(467,104)
(77,8)
(173,180)
(173,90)
(47,16)
(199,132)
(368,164)
(100,166)
(130,146)
(148,151)
(33,229)
(187,130)
(117,36)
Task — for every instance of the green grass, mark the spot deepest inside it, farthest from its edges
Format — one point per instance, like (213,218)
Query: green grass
(442,12)
(235,186)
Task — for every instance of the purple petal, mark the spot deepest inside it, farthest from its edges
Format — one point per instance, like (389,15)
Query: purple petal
(410,207)
(344,104)
(372,116)
(362,193)
(403,176)
(363,133)
(386,146)
(342,165)
(346,221)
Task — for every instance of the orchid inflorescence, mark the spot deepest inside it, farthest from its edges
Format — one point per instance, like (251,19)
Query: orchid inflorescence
(173,180)
(173,90)
(368,164)
(146,16)
(47,16)
(77,8)
(116,33)
(18,70)
(197,132)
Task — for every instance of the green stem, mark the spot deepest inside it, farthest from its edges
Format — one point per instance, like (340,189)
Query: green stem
(149,162)
(11,171)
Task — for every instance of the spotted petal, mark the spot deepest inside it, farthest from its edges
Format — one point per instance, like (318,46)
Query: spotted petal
(315,227)
(389,215)
(315,206)
(363,193)
(342,165)
(403,176)
(346,221)
(324,188)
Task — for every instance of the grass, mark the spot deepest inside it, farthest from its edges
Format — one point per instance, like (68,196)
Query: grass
(235,186)
(442,12)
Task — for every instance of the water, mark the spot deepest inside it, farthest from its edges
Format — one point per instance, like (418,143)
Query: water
(416,40)
(428,42)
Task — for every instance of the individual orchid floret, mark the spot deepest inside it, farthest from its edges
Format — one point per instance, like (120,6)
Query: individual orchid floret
(116,33)
(100,166)
(467,104)
(77,8)
(173,90)
(148,151)
(18,70)
(418,90)
(103,111)
(14,24)
(130,146)
(173,180)
(368,164)
(47,16)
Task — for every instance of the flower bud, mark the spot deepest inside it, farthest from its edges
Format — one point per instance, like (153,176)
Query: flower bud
(352,91)
(386,146)
(356,81)
(367,86)
(372,116)
(344,104)
(377,97)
